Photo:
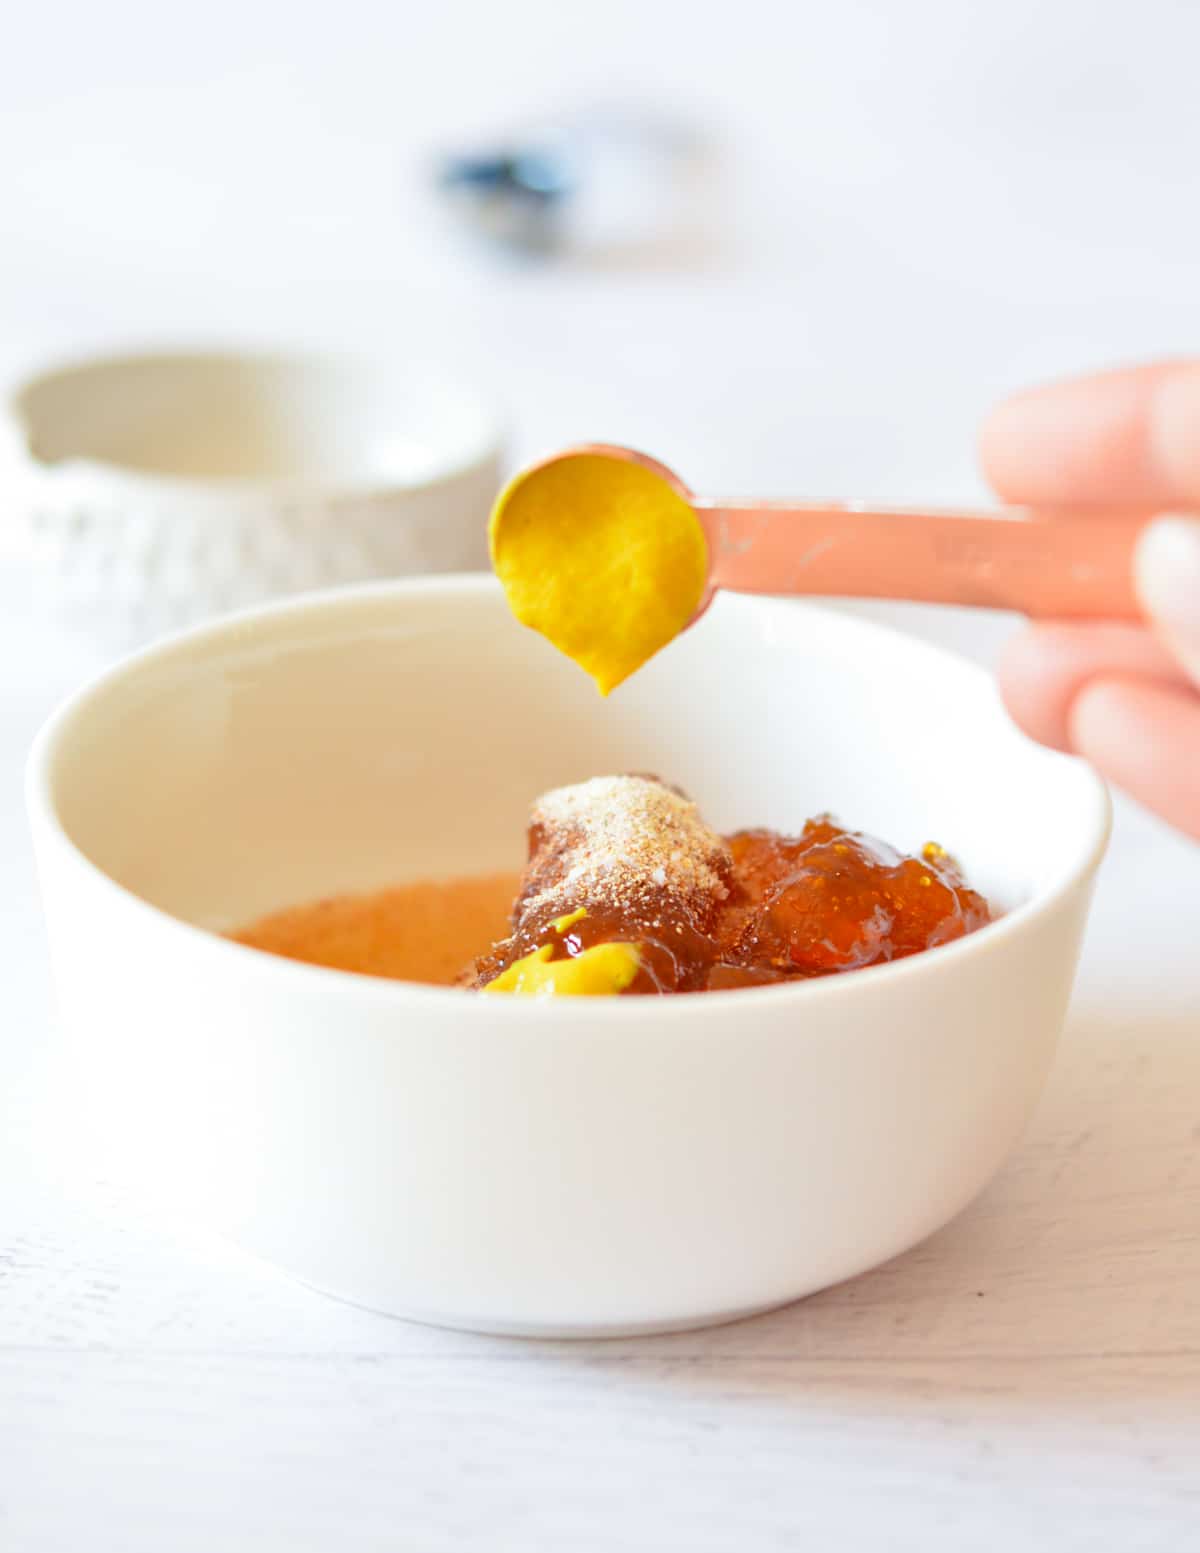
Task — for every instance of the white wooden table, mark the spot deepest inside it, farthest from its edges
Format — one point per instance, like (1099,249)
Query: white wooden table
(931,204)
(1028,1378)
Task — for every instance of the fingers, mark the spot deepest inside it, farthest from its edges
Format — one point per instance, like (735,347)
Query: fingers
(1116,696)
(1126,699)
(1145,738)
(1045,669)
(1118,438)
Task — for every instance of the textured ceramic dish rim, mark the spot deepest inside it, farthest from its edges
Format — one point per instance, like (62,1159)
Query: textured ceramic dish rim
(40,800)
(474,456)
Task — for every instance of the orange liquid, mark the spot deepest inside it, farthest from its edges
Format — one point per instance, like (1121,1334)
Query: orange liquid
(425,932)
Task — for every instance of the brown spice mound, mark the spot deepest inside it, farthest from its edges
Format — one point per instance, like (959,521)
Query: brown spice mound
(620,843)
(634,859)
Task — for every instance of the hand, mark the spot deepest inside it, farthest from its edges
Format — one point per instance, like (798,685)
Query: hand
(1125,697)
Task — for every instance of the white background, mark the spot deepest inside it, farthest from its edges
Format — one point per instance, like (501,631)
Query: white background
(916,207)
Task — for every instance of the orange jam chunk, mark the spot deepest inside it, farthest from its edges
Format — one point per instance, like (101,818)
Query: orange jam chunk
(833,900)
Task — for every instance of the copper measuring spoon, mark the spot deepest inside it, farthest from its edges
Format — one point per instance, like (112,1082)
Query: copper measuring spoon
(1046,562)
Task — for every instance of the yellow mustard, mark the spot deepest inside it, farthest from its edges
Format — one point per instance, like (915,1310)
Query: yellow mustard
(601,971)
(603,557)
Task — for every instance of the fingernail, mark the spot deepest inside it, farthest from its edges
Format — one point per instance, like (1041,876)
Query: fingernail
(1167,576)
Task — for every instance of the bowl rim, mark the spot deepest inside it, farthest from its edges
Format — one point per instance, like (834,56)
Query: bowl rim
(475,454)
(267,967)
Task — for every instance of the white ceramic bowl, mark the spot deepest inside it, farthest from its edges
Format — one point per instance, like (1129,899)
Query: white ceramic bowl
(569,1167)
(152,492)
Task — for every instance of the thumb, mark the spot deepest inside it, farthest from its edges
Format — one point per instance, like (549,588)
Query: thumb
(1167,576)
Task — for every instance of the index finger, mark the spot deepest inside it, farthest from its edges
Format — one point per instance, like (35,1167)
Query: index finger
(1126,438)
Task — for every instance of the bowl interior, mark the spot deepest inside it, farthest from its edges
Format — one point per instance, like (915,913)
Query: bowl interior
(250,417)
(398,732)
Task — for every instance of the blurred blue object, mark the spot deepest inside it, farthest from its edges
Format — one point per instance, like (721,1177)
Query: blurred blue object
(514,195)
(602,182)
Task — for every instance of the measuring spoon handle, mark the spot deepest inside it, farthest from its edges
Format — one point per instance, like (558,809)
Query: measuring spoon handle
(1045,563)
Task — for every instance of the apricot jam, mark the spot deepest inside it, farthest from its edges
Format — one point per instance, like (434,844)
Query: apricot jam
(744,910)
(833,900)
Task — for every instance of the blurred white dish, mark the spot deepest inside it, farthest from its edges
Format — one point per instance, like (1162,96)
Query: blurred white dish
(562,1167)
(156,491)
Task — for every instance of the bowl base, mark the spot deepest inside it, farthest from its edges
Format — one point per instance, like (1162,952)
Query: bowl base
(487,1326)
